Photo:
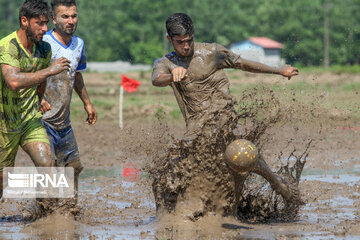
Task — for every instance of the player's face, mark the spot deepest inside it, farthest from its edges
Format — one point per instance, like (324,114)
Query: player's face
(35,27)
(66,19)
(183,45)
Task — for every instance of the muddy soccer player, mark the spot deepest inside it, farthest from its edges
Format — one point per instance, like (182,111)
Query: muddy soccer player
(59,88)
(199,183)
(25,66)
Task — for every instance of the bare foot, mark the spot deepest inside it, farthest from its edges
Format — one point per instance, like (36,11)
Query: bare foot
(289,191)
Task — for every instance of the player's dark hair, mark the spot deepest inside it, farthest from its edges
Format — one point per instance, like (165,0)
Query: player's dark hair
(67,3)
(34,8)
(179,24)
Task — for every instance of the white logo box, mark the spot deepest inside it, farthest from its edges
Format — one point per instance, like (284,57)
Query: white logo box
(38,182)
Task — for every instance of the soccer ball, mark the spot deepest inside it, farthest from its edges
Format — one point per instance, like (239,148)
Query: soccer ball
(241,155)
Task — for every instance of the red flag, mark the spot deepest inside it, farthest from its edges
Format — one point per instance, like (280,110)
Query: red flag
(130,173)
(130,85)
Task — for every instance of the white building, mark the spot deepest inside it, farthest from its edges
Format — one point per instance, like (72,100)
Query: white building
(260,49)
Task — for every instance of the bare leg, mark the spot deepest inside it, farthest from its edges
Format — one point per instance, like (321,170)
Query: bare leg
(77,170)
(40,154)
(239,179)
(288,192)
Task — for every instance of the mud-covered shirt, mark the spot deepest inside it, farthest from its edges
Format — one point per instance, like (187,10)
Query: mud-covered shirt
(59,88)
(206,87)
(18,107)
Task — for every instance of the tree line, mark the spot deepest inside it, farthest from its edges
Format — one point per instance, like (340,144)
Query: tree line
(313,31)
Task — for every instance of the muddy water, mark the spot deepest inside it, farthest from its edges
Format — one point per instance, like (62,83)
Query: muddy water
(108,212)
(116,209)
(192,181)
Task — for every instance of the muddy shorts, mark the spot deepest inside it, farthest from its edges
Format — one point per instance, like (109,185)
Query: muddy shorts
(63,146)
(33,131)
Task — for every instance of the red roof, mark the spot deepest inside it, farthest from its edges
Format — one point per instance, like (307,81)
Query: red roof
(265,42)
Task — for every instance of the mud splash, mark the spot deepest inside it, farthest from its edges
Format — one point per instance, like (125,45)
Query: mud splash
(260,203)
(192,181)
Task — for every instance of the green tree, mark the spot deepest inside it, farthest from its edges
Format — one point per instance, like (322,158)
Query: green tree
(134,30)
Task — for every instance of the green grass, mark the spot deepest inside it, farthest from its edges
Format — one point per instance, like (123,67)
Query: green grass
(333,69)
(351,87)
(340,97)
(103,104)
(150,101)
(176,113)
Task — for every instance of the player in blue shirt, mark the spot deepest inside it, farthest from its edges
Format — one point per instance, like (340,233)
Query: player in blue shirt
(59,88)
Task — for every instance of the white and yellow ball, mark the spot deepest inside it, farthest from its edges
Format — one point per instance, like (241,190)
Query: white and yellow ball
(241,155)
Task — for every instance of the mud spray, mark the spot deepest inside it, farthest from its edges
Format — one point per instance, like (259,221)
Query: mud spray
(191,180)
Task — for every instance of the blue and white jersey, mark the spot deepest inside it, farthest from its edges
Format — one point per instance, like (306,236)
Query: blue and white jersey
(59,88)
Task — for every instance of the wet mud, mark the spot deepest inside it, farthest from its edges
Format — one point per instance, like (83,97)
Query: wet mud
(193,181)
(111,207)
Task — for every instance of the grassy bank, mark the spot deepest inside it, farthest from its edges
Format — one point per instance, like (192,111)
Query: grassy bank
(338,94)
(337,69)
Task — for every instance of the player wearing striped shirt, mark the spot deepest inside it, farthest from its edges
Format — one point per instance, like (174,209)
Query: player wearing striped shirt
(25,66)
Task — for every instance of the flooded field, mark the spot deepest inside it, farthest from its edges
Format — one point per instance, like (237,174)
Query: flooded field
(116,205)
(114,208)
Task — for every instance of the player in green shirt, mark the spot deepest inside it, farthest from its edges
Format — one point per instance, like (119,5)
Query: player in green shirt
(25,66)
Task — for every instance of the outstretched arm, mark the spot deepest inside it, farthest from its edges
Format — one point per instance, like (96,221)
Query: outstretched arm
(16,79)
(256,67)
(80,89)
